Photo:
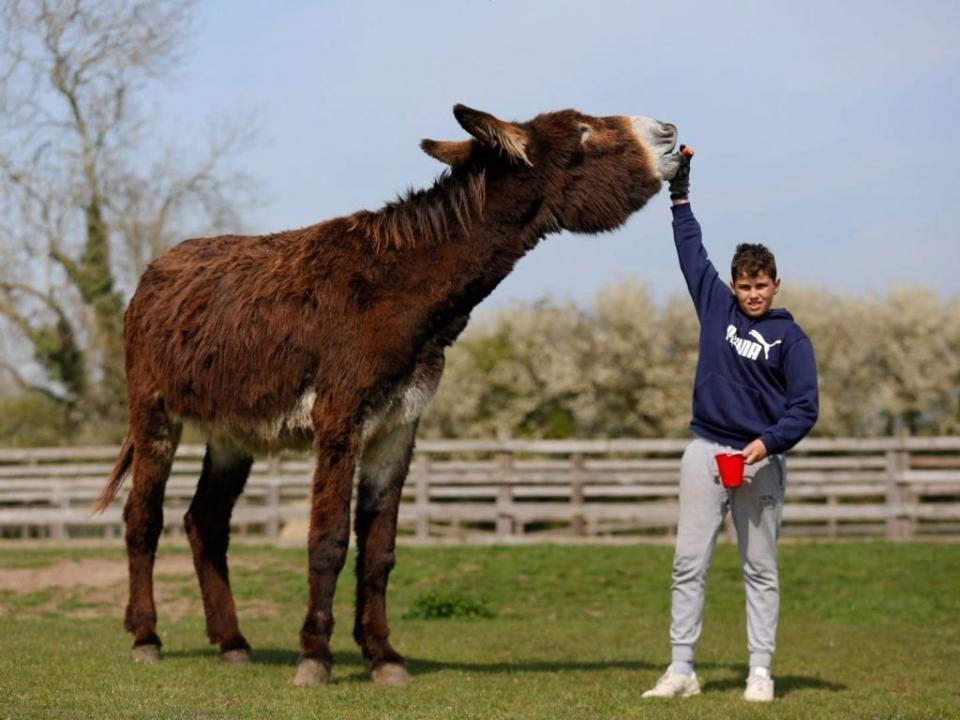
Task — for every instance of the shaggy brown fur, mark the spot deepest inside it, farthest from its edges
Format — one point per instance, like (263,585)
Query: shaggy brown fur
(333,335)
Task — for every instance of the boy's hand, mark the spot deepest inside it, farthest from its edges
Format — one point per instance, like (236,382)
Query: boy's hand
(754,452)
(680,183)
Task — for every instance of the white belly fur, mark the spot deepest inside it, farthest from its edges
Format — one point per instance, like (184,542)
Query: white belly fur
(294,428)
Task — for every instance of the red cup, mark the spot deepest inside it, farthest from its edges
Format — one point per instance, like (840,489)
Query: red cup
(730,466)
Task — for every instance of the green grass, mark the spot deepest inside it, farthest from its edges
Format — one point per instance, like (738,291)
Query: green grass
(867,630)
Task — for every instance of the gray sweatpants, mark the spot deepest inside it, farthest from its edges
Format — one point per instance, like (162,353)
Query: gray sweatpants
(757,508)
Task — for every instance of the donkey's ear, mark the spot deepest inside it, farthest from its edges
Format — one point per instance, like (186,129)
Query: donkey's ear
(451,152)
(493,132)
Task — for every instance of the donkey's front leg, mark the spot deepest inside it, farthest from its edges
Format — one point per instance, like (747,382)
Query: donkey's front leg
(383,469)
(327,552)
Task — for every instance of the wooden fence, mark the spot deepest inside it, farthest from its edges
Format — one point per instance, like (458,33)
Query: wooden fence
(503,491)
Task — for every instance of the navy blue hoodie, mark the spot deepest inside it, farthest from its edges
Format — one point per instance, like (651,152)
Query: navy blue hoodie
(756,377)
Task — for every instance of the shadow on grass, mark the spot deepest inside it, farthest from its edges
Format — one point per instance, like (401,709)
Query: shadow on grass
(422,666)
(785,684)
(353,668)
(268,656)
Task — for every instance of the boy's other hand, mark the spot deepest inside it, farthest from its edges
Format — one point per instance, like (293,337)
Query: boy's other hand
(754,452)
(680,183)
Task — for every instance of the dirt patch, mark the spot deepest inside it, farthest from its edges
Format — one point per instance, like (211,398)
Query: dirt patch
(97,588)
(93,572)
(101,573)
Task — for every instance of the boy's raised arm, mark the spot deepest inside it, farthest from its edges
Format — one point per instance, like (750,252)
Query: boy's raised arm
(703,280)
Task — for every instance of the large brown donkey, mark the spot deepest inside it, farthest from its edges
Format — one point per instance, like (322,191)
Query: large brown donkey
(333,336)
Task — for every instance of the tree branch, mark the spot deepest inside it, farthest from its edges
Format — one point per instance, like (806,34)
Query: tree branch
(27,386)
(9,287)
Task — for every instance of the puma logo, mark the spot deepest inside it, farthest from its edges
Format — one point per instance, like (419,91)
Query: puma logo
(748,348)
(766,346)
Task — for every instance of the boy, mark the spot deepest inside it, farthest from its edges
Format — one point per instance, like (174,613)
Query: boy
(755,392)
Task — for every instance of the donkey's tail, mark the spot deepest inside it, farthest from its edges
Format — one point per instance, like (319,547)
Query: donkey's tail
(120,470)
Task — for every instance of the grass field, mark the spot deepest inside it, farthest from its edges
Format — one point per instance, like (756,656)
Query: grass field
(867,630)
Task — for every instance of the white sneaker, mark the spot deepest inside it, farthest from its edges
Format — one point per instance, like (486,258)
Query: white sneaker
(674,685)
(759,689)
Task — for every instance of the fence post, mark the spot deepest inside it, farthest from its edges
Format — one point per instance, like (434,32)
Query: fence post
(578,522)
(898,519)
(504,494)
(421,479)
(273,497)
(61,501)
(25,529)
(832,525)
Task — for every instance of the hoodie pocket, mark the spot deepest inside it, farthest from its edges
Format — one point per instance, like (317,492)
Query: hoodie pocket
(730,407)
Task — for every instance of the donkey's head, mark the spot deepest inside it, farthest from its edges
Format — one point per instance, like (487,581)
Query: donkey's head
(582,173)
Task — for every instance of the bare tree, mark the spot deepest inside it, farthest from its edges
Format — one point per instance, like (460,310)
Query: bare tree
(86,194)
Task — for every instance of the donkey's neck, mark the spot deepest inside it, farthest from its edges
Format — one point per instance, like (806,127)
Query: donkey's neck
(434,216)
(446,248)
(444,282)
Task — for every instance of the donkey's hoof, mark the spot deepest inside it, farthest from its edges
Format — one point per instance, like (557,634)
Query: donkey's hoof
(145,653)
(311,673)
(235,657)
(390,675)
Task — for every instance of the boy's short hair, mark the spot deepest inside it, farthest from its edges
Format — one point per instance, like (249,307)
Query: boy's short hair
(751,260)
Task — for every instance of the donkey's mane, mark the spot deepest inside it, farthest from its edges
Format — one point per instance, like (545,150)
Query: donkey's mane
(426,215)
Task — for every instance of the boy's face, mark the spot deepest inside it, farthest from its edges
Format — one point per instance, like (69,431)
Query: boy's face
(755,293)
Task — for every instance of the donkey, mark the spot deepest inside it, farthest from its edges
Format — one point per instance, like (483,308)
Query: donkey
(332,336)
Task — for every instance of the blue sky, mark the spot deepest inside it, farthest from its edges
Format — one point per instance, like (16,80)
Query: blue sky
(824,129)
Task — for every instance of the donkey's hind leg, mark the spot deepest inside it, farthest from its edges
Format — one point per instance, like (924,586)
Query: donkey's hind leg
(155,437)
(225,471)
(383,469)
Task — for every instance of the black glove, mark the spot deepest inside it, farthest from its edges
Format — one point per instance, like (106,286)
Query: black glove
(680,184)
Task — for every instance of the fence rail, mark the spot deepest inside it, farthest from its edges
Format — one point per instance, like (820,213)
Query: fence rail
(475,491)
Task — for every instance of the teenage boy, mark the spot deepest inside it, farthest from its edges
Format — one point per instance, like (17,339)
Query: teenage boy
(756,393)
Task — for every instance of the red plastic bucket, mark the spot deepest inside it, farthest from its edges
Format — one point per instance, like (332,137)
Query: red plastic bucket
(730,466)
